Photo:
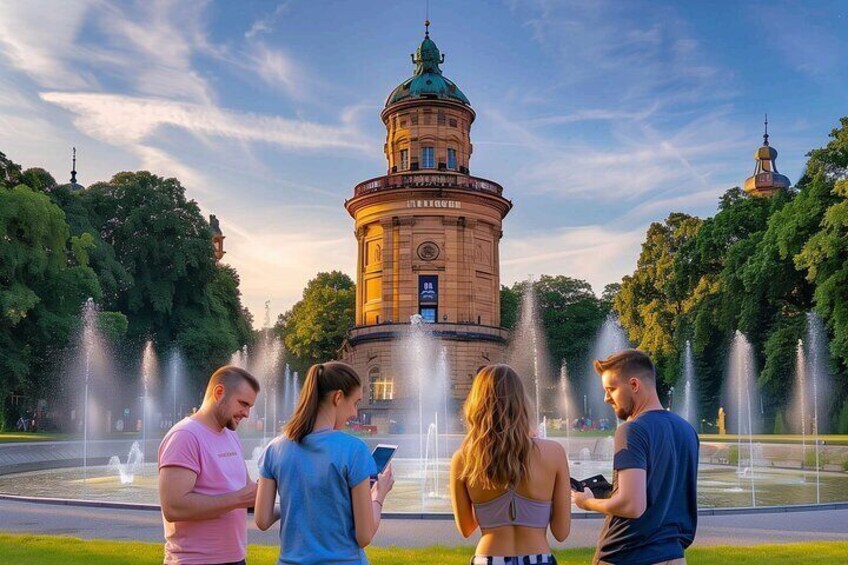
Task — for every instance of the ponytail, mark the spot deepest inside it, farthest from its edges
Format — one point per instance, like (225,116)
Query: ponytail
(321,380)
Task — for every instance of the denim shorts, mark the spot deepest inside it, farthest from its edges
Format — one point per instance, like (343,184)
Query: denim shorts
(539,559)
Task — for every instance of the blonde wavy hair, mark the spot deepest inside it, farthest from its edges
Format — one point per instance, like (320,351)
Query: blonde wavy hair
(496,450)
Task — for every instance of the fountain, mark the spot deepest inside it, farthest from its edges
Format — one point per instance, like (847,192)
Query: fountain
(148,369)
(176,368)
(134,465)
(89,342)
(431,381)
(687,404)
(741,385)
(817,369)
(528,353)
(611,338)
(565,402)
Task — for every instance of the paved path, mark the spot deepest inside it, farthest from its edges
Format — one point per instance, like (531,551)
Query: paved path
(744,529)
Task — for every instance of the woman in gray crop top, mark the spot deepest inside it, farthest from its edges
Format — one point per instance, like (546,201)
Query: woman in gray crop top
(504,479)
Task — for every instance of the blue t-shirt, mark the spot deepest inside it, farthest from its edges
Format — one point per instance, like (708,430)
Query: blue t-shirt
(666,446)
(314,479)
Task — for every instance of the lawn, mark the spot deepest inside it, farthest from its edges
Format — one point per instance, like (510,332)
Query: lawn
(49,550)
(19,437)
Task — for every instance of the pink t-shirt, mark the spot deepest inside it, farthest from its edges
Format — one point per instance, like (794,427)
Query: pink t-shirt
(217,459)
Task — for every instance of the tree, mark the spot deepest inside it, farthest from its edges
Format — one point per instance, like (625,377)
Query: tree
(314,329)
(571,316)
(42,287)
(649,303)
(164,244)
(510,299)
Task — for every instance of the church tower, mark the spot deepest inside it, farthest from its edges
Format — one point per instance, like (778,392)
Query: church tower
(766,180)
(428,235)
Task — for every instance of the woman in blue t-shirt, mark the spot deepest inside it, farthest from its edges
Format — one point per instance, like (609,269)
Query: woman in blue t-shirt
(328,509)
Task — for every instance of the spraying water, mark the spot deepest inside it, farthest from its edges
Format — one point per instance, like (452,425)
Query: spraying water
(528,351)
(687,406)
(742,375)
(566,402)
(148,368)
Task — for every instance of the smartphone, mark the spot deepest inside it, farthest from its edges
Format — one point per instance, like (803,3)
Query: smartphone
(599,486)
(382,454)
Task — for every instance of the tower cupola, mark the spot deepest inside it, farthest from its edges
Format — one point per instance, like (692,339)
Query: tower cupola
(766,180)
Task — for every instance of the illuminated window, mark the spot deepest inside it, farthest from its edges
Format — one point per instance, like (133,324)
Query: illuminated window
(404,159)
(382,388)
(428,157)
(451,159)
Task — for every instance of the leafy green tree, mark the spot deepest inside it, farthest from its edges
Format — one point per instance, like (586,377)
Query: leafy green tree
(314,329)
(510,300)
(162,241)
(825,254)
(571,317)
(649,303)
(42,287)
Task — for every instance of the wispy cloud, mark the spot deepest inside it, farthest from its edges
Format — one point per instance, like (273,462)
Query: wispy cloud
(597,254)
(125,120)
(265,24)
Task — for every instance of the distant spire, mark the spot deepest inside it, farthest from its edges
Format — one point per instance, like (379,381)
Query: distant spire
(426,19)
(426,29)
(74,168)
(765,135)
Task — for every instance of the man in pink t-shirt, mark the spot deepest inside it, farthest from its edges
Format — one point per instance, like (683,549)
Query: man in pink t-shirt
(204,489)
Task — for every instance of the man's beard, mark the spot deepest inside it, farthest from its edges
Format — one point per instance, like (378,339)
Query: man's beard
(624,412)
(225,421)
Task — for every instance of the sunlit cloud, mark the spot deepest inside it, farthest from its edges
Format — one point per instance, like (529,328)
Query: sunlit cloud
(597,254)
(128,120)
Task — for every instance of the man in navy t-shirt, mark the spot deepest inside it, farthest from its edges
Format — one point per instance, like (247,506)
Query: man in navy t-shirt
(653,510)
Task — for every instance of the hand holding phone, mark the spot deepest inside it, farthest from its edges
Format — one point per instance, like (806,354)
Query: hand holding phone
(382,454)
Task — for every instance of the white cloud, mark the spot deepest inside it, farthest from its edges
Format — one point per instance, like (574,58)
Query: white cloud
(126,120)
(265,24)
(597,254)
(39,38)
(276,68)
(276,264)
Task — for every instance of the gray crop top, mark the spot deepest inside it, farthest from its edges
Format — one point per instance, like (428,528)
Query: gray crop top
(512,509)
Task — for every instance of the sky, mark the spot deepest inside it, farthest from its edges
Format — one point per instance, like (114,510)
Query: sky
(597,118)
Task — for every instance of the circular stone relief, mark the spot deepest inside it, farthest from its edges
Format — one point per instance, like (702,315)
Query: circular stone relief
(428,251)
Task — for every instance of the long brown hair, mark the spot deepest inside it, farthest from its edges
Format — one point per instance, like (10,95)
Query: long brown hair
(321,380)
(497,448)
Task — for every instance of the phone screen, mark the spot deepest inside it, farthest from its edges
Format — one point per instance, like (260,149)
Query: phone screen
(382,455)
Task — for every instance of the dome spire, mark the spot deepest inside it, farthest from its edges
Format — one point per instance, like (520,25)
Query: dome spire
(74,167)
(765,135)
(766,180)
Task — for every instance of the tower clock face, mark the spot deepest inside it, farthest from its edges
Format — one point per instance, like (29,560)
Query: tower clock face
(428,251)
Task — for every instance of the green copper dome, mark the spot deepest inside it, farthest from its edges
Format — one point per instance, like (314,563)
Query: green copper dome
(427,82)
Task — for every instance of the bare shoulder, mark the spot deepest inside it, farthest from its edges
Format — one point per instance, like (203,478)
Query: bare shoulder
(550,448)
(457,460)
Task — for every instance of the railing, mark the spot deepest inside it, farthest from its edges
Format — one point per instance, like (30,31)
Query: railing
(465,329)
(427,180)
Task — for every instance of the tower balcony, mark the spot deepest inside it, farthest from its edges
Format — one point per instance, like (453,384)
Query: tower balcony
(441,330)
(427,180)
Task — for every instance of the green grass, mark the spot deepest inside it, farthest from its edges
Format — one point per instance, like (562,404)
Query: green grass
(830,439)
(49,550)
(19,437)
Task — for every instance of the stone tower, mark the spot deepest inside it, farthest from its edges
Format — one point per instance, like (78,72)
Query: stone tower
(427,236)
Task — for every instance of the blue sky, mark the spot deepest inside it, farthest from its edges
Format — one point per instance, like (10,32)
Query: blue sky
(596,117)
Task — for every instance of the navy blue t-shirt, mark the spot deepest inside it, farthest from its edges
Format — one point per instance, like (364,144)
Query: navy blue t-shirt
(666,446)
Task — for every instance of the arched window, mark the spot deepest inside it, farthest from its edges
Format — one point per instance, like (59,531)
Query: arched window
(382,388)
